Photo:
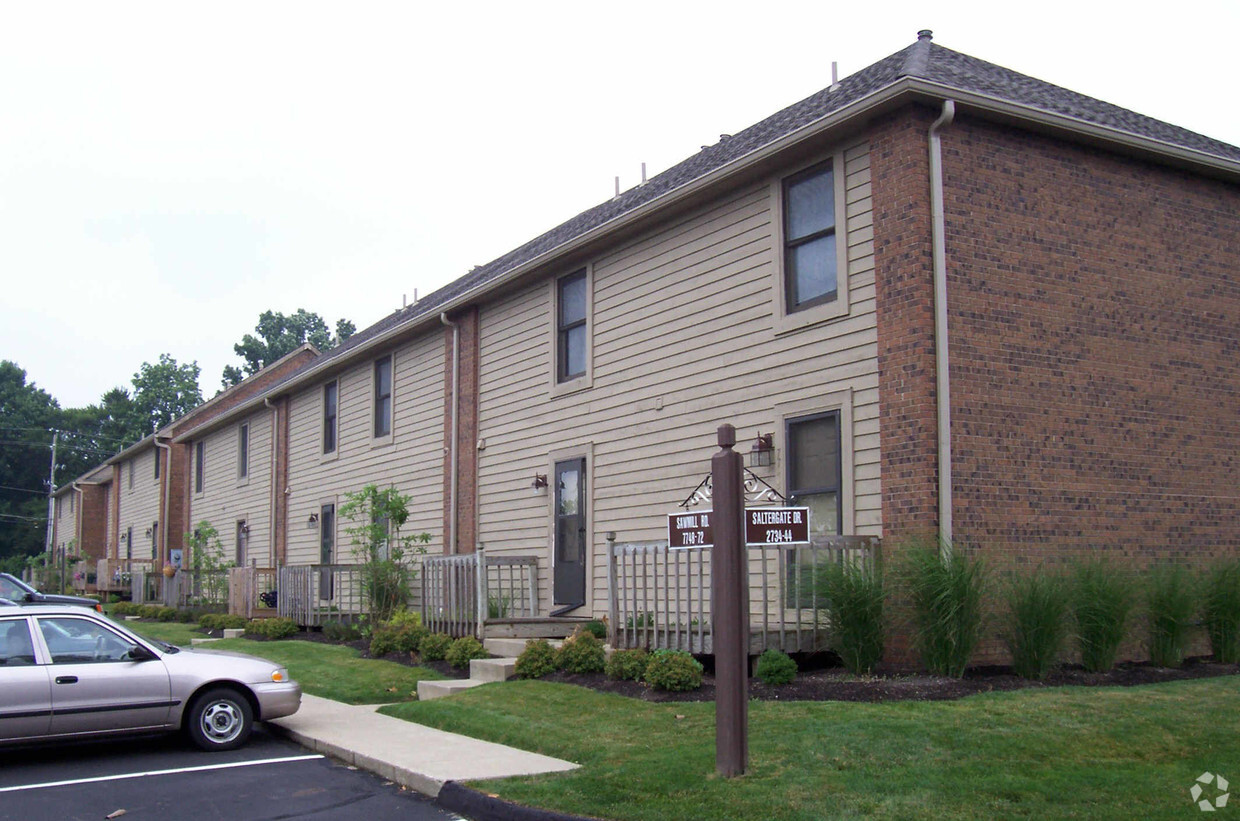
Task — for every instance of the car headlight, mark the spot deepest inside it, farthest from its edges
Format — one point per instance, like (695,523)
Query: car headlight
(279,675)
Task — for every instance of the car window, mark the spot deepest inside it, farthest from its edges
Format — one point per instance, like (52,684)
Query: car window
(78,641)
(10,590)
(15,645)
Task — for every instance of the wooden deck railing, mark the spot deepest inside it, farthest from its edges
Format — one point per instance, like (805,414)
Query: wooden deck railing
(660,598)
(247,586)
(458,600)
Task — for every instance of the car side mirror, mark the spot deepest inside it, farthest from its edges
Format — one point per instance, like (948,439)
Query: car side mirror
(139,653)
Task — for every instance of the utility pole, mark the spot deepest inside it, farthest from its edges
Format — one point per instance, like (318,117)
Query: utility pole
(51,501)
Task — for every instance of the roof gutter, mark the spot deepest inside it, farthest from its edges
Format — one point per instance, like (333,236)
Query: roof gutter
(938,241)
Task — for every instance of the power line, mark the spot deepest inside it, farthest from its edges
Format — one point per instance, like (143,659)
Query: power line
(15,517)
(24,490)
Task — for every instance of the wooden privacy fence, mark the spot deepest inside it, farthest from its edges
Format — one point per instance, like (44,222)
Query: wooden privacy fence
(193,588)
(660,598)
(458,600)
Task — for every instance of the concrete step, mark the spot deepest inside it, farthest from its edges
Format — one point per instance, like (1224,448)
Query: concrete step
(429,690)
(233,632)
(511,648)
(500,669)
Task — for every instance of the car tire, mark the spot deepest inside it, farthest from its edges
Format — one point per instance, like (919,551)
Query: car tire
(220,719)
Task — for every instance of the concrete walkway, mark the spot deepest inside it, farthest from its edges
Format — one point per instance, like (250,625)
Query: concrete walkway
(409,754)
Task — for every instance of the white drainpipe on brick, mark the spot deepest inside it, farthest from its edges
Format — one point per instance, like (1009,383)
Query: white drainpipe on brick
(456,397)
(942,380)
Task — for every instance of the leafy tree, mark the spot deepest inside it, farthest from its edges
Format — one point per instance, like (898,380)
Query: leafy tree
(27,415)
(280,335)
(384,554)
(163,392)
(206,560)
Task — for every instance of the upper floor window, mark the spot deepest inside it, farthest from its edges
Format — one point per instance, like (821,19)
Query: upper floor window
(200,456)
(157,464)
(571,336)
(131,463)
(330,394)
(383,396)
(810,267)
(243,451)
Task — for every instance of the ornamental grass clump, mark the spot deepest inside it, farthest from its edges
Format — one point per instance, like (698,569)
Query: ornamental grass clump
(946,589)
(1101,603)
(627,665)
(464,650)
(582,653)
(775,667)
(1036,623)
(1220,610)
(854,597)
(1172,604)
(538,659)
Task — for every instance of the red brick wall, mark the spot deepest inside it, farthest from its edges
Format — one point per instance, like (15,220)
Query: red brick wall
(904,275)
(92,521)
(467,434)
(1095,351)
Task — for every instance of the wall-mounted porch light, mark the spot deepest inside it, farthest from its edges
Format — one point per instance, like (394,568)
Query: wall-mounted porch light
(245,529)
(148,533)
(312,521)
(540,484)
(762,454)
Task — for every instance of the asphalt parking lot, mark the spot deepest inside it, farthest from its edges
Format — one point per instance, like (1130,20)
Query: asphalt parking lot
(166,778)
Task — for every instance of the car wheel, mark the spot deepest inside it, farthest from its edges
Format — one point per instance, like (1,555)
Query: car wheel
(220,719)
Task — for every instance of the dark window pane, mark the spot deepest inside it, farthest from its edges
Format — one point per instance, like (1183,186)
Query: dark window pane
(572,299)
(383,416)
(329,418)
(327,533)
(383,396)
(811,273)
(570,480)
(575,351)
(814,447)
(811,205)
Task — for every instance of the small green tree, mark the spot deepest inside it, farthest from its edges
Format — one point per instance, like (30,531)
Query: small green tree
(206,559)
(385,555)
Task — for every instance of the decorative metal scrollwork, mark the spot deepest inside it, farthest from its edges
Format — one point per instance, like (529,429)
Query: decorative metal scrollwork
(757,492)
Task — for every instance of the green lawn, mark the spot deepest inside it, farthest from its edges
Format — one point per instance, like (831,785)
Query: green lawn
(1057,752)
(327,670)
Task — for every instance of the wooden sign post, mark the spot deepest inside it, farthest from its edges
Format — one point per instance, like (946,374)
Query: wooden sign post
(730,608)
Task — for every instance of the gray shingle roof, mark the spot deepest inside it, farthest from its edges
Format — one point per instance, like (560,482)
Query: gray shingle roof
(922,60)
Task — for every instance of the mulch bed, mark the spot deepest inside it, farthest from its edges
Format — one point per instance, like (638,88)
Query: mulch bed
(826,681)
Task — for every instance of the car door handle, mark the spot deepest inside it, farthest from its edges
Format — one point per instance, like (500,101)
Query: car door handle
(66,679)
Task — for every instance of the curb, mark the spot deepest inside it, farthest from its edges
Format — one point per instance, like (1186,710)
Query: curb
(482,807)
(406,778)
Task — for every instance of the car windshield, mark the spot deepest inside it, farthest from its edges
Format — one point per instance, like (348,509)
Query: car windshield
(12,588)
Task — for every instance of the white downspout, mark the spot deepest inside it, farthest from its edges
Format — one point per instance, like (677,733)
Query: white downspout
(163,489)
(271,518)
(942,380)
(456,398)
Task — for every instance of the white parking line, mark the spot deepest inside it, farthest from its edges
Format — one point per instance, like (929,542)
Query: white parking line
(159,772)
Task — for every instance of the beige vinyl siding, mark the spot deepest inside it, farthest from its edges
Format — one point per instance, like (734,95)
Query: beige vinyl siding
(228,498)
(411,459)
(139,505)
(67,518)
(684,339)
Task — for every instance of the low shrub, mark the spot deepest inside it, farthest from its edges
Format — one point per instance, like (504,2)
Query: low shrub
(1172,604)
(271,628)
(946,589)
(211,621)
(775,667)
(435,646)
(168,614)
(464,650)
(188,616)
(1036,625)
(150,611)
(627,665)
(1220,610)
(597,628)
(1101,603)
(403,633)
(854,597)
(124,608)
(673,670)
(582,653)
(342,631)
(538,659)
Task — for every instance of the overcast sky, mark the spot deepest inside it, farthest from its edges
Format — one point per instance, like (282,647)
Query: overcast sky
(170,170)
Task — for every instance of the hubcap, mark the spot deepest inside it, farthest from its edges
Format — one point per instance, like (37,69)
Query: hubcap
(221,721)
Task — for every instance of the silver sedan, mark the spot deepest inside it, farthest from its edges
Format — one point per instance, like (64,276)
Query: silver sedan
(67,672)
